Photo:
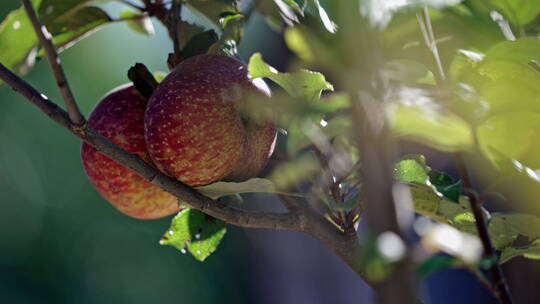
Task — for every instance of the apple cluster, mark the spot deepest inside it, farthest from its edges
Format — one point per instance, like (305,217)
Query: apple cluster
(190,128)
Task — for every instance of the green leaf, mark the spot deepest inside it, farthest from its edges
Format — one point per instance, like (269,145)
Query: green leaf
(18,43)
(219,189)
(200,233)
(305,84)
(298,44)
(199,44)
(415,116)
(289,173)
(329,25)
(307,133)
(412,169)
(67,21)
(446,185)
(140,23)
(430,203)
(505,228)
(518,12)
(508,83)
(233,30)
(531,251)
(508,136)
(196,15)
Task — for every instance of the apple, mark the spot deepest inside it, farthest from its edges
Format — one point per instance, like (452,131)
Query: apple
(194,130)
(119,118)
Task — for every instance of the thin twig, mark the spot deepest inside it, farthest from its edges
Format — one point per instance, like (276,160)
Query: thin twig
(173,25)
(45,39)
(500,289)
(502,292)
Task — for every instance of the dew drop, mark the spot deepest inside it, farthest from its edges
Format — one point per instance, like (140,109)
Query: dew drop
(183,251)
(198,236)
(16,25)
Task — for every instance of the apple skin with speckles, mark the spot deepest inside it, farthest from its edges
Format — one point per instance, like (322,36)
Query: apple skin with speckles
(193,128)
(119,117)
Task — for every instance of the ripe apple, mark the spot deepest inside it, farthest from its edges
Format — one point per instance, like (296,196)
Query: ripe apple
(193,128)
(119,117)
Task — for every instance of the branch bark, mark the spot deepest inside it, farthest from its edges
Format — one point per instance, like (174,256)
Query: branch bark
(45,39)
(377,184)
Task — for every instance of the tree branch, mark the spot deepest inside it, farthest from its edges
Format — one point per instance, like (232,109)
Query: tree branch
(303,219)
(501,290)
(191,197)
(45,39)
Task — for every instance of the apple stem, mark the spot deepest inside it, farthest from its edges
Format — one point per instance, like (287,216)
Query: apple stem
(142,79)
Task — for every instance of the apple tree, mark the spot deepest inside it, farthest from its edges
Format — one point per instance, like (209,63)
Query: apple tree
(366,79)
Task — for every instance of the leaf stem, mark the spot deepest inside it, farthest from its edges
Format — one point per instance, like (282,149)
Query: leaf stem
(45,39)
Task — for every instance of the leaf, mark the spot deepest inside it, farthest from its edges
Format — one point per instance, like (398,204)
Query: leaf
(233,30)
(508,136)
(303,135)
(305,84)
(505,228)
(414,115)
(140,23)
(412,169)
(430,203)
(67,21)
(192,15)
(329,25)
(508,83)
(17,42)
(531,251)
(297,43)
(200,233)
(518,12)
(219,189)
(446,185)
(199,44)
(289,173)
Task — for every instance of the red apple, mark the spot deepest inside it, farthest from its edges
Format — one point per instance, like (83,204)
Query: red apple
(193,128)
(119,118)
